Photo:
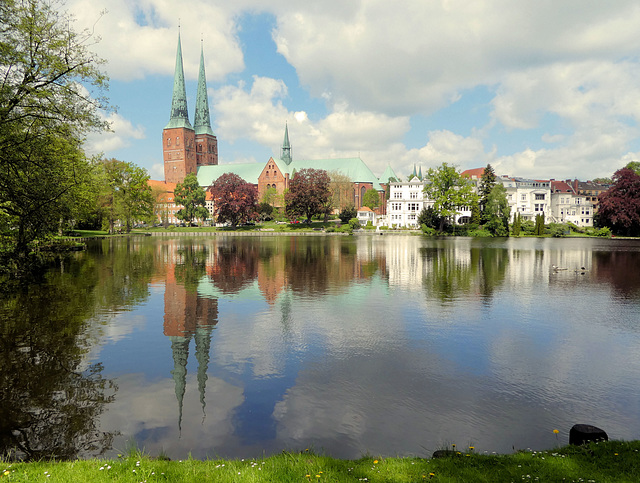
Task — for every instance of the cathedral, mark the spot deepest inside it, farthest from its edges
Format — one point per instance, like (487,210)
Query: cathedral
(194,149)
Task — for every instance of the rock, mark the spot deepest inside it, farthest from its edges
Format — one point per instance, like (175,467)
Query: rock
(444,453)
(583,433)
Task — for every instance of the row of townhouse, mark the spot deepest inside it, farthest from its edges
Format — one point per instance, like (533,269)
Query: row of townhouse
(558,201)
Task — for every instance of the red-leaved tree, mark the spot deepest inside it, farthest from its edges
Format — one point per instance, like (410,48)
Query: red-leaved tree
(619,207)
(308,193)
(234,200)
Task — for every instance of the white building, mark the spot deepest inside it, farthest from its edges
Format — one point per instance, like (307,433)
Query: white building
(529,197)
(569,206)
(406,201)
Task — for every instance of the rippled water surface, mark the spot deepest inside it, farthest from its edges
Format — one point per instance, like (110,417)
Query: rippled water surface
(387,345)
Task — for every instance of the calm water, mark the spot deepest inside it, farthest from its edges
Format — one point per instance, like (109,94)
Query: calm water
(392,345)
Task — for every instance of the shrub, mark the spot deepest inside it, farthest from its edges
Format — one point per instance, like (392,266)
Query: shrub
(354,223)
(528,227)
(480,233)
(427,230)
(384,227)
(347,213)
(331,229)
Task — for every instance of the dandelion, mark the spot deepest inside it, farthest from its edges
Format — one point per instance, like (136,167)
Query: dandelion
(555,431)
(375,462)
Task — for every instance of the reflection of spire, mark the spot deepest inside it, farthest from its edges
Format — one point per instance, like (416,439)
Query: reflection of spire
(180,349)
(203,345)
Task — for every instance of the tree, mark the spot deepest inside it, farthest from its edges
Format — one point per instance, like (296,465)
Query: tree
(619,207)
(126,194)
(517,225)
(341,190)
(487,182)
(634,166)
(371,199)
(476,214)
(448,190)
(192,197)
(234,200)
(497,211)
(347,213)
(428,218)
(539,228)
(47,105)
(308,193)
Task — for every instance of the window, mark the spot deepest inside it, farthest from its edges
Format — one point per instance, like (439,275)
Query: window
(539,207)
(178,141)
(413,206)
(413,195)
(168,141)
(523,197)
(539,196)
(397,195)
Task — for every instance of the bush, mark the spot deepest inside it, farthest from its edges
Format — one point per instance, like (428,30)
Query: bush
(427,230)
(331,229)
(347,213)
(384,227)
(528,227)
(558,230)
(480,233)
(354,223)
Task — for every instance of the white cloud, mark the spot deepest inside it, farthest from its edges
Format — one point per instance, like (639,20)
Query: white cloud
(120,136)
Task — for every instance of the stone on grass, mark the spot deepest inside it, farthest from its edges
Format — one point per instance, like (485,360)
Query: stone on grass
(584,433)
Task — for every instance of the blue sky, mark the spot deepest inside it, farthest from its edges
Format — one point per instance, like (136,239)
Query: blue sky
(544,90)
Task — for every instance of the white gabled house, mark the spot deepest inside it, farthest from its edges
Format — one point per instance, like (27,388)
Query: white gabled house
(569,206)
(529,197)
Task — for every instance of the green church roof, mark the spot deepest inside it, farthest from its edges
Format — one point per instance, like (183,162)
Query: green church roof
(388,173)
(250,172)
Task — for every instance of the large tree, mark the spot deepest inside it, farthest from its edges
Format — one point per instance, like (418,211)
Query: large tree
(49,100)
(126,194)
(308,193)
(341,189)
(497,211)
(234,200)
(487,182)
(619,207)
(448,190)
(192,197)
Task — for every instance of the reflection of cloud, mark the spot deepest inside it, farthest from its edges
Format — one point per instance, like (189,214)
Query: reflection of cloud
(147,412)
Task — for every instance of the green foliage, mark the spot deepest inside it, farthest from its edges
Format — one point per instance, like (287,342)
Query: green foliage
(517,225)
(448,190)
(558,230)
(528,227)
(125,194)
(539,227)
(496,211)
(45,179)
(487,183)
(347,213)
(480,233)
(192,197)
(354,223)
(234,200)
(308,193)
(371,199)
(634,166)
(428,217)
(427,230)
(599,232)
(265,212)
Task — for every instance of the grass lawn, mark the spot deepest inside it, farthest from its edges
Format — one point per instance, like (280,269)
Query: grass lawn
(613,461)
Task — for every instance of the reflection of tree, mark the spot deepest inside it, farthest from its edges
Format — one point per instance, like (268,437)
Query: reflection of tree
(448,273)
(191,266)
(621,269)
(235,266)
(49,404)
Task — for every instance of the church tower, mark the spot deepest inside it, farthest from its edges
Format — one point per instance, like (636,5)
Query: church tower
(206,141)
(178,137)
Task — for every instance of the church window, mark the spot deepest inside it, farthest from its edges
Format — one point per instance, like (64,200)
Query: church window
(168,141)
(178,141)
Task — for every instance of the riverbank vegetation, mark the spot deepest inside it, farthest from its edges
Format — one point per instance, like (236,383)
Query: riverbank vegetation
(613,461)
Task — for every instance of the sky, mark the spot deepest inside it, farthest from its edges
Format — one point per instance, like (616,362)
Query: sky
(544,89)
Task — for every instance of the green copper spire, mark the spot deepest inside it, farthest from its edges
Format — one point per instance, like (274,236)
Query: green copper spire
(420,173)
(286,147)
(180,349)
(179,112)
(202,121)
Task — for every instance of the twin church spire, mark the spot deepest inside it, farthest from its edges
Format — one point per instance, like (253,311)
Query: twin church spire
(179,111)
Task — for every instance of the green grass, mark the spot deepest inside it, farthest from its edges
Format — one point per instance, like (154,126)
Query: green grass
(614,461)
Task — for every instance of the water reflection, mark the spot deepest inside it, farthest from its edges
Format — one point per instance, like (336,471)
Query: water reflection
(393,345)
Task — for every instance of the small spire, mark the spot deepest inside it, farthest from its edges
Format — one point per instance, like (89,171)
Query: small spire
(179,111)
(286,147)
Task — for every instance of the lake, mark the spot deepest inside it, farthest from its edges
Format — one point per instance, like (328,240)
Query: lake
(385,345)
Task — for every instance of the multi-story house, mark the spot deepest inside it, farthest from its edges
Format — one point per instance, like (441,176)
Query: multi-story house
(406,201)
(590,190)
(529,197)
(569,206)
